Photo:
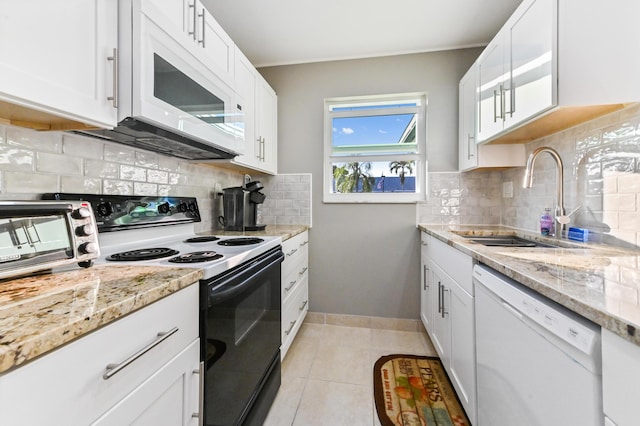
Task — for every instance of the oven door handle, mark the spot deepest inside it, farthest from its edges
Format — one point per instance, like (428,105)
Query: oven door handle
(256,269)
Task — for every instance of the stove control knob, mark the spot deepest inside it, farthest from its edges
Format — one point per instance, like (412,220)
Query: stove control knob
(81,213)
(193,207)
(182,207)
(85,230)
(164,208)
(88,248)
(104,209)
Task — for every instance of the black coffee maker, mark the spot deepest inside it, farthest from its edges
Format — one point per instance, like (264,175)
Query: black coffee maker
(240,207)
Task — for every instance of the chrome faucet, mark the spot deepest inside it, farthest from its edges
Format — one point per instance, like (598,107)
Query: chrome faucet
(560,216)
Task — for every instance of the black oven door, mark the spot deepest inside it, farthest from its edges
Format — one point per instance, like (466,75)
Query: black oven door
(240,337)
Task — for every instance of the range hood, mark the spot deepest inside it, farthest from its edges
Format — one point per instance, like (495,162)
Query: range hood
(139,134)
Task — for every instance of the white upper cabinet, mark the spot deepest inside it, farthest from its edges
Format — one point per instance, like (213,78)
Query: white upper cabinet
(555,64)
(201,29)
(57,63)
(471,155)
(259,105)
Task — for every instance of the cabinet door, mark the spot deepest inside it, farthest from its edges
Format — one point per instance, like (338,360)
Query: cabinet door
(181,13)
(267,127)
(426,291)
(55,57)
(441,330)
(245,76)
(531,37)
(169,397)
(218,46)
(491,82)
(467,149)
(463,349)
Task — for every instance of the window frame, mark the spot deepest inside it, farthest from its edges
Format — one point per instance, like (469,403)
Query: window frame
(421,165)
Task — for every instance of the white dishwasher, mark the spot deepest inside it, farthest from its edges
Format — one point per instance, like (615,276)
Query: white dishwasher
(537,362)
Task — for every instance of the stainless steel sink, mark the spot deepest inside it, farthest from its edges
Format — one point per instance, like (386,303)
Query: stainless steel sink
(507,241)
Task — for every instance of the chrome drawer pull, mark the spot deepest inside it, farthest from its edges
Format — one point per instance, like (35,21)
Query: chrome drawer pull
(114,58)
(291,284)
(113,369)
(292,252)
(303,304)
(291,325)
(303,271)
(304,243)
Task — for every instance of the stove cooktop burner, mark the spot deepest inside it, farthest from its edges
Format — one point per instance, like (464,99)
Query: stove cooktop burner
(203,239)
(196,257)
(143,254)
(241,241)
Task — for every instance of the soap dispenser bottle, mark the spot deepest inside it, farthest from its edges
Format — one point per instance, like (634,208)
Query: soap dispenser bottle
(546,223)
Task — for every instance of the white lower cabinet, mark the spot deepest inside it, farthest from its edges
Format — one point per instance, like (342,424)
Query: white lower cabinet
(294,287)
(169,397)
(620,379)
(447,303)
(141,369)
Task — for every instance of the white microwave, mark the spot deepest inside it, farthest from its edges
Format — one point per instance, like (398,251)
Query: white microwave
(169,100)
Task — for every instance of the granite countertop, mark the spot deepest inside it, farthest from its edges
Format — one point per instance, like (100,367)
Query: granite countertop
(598,281)
(39,313)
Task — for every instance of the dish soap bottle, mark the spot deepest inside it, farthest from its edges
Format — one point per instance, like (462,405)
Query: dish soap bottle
(546,222)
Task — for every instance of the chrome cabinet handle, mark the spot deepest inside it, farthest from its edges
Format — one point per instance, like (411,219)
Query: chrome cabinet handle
(444,311)
(114,58)
(195,22)
(469,139)
(199,415)
(495,107)
(291,284)
(201,15)
(113,369)
(424,277)
(262,149)
(304,243)
(303,305)
(291,325)
(292,252)
(303,270)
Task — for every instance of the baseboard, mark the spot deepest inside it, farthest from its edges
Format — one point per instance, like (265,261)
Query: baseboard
(382,323)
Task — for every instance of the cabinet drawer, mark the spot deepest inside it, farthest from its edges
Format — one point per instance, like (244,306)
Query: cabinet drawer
(456,264)
(296,273)
(294,247)
(67,385)
(293,312)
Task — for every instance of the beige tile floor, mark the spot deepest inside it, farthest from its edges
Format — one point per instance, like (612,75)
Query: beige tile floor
(327,374)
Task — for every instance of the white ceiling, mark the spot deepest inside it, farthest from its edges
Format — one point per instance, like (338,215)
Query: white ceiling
(279,32)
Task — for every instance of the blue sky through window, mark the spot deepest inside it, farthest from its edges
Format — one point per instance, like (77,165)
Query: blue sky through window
(369,130)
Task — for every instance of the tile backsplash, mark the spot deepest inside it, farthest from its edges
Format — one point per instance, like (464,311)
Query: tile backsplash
(288,200)
(601,184)
(32,163)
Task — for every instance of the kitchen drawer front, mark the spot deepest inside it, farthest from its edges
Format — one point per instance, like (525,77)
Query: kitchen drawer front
(67,385)
(295,247)
(294,311)
(455,263)
(294,275)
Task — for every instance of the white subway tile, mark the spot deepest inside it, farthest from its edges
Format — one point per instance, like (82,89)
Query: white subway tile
(133,173)
(83,185)
(58,163)
(140,188)
(157,176)
(19,182)
(117,187)
(101,169)
(16,159)
(119,153)
(81,146)
(37,141)
(146,159)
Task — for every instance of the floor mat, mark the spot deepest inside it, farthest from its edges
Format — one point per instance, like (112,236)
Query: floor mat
(415,390)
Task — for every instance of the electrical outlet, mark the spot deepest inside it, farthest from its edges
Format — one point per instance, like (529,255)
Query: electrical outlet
(507,189)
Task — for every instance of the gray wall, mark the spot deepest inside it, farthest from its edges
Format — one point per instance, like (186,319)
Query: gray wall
(364,258)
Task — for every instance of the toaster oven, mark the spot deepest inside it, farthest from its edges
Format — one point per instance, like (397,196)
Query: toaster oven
(40,235)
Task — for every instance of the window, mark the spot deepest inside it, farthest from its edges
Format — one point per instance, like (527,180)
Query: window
(375,149)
